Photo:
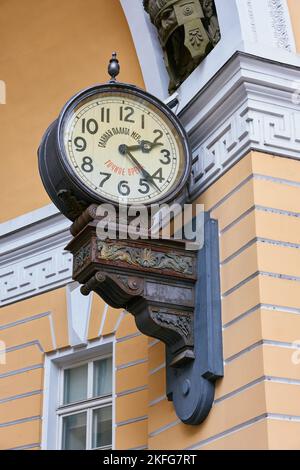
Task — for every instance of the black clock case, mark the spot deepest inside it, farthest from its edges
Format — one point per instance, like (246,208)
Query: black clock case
(63,186)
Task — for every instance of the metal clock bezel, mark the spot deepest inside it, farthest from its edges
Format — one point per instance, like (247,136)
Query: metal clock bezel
(132,91)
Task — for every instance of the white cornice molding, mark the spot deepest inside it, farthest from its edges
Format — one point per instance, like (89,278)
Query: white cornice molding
(249,105)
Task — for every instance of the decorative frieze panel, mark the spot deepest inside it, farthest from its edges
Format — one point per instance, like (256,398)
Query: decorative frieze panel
(256,110)
(35,275)
(32,256)
(279,21)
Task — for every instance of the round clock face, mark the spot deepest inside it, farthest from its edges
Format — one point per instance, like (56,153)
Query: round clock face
(123,148)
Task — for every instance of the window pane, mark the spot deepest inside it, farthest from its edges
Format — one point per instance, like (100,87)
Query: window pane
(102,427)
(74,432)
(75,384)
(102,377)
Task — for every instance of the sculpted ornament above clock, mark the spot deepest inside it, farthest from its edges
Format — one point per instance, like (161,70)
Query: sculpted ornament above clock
(114,143)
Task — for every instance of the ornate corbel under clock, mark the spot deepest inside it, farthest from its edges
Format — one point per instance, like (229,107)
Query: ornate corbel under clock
(115,143)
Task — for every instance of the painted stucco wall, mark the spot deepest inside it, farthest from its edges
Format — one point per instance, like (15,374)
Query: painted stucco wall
(256,204)
(49,50)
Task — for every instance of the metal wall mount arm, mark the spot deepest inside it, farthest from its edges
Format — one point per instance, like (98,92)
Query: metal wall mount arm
(174,296)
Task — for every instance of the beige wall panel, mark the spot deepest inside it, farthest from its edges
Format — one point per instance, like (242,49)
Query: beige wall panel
(22,408)
(157,355)
(283,399)
(236,205)
(225,415)
(259,224)
(20,434)
(25,357)
(262,324)
(239,268)
(127,326)
(132,435)
(134,405)
(51,49)
(240,372)
(281,362)
(96,315)
(53,301)
(227,183)
(277,227)
(241,300)
(26,332)
(274,166)
(276,195)
(21,383)
(280,292)
(294,6)
(157,384)
(280,326)
(161,414)
(254,437)
(238,236)
(242,334)
(133,349)
(266,360)
(111,320)
(279,259)
(132,377)
(283,435)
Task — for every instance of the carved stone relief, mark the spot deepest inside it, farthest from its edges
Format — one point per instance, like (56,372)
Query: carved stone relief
(188,30)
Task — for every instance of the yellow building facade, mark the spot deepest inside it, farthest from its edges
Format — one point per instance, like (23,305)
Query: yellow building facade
(241,110)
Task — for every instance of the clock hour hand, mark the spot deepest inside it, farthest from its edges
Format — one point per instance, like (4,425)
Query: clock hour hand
(145,146)
(125,151)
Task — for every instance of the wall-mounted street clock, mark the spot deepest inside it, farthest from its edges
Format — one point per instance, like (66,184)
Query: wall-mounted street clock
(114,143)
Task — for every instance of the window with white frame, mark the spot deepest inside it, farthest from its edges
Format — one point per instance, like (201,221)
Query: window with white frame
(85,405)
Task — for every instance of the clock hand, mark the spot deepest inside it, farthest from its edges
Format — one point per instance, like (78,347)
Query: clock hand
(144,172)
(145,146)
(123,148)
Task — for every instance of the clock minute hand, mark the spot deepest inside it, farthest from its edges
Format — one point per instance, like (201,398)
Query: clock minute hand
(145,173)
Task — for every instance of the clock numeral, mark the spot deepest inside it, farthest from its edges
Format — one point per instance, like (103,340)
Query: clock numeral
(105,115)
(126,117)
(166,157)
(123,188)
(87,164)
(145,185)
(159,137)
(106,178)
(90,125)
(80,144)
(158,175)
(143,121)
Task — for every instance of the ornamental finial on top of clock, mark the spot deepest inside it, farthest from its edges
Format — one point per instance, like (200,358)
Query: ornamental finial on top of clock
(113,67)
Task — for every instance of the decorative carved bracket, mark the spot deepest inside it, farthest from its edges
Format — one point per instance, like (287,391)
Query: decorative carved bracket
(174,296)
